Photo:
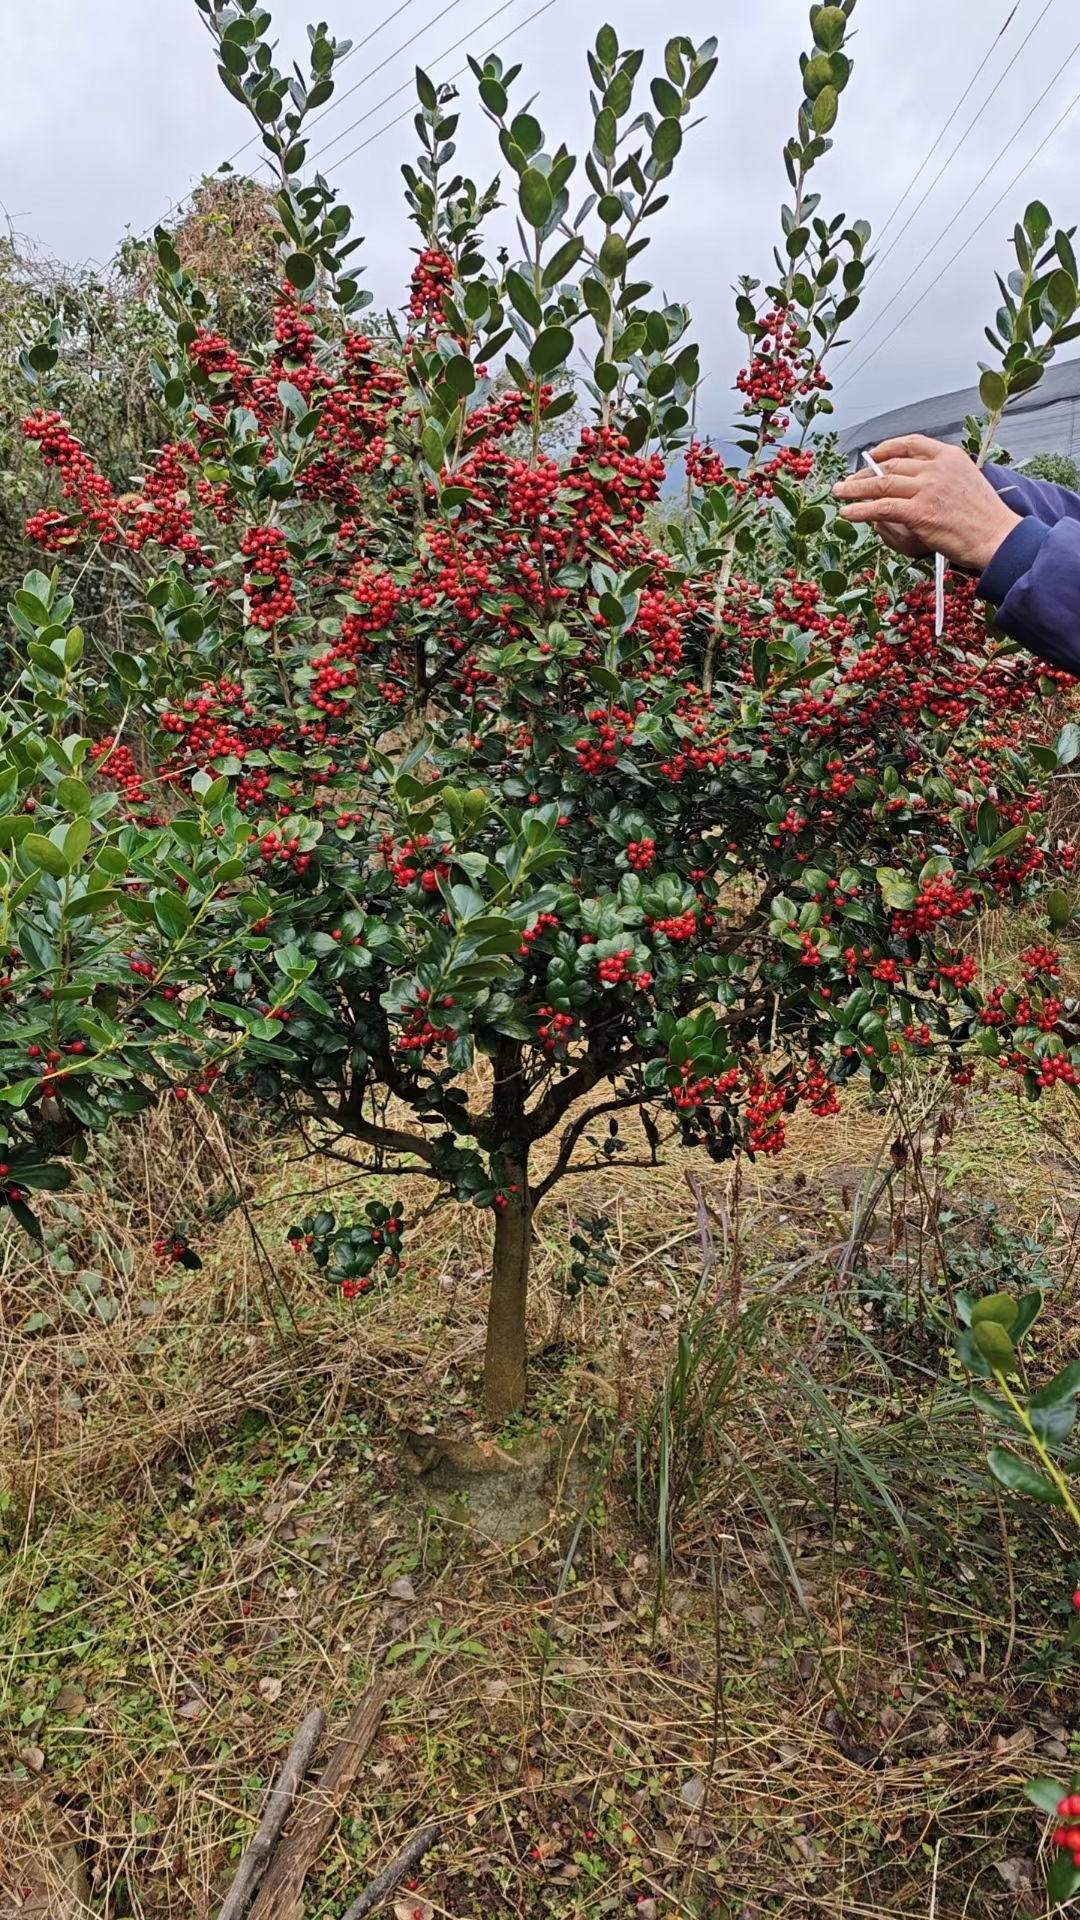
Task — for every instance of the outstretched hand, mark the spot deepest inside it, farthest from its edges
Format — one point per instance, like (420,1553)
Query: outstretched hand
(929,498)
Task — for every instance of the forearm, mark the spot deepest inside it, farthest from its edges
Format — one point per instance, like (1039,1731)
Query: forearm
(1034,582)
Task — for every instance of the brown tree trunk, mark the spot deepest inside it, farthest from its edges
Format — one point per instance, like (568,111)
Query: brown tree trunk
(505,1354)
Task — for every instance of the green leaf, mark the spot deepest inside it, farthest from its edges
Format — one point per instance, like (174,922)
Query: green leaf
(535,197)
(460,375)
(993,391)
(14,827)
(1037,223)
(1067,744)
(426,92)
(46,855)
(1045,1794)
(42,357)
(666,142)
(172,915)
(829,26)
(1019,1477)
(992,1341)
(431,442)
(612,256)
(300,270)
(1059,909)
(551,349)
(561,262)
(1061,294)
(824,110)
(1001,1308)
(1063,1880)
(523,299)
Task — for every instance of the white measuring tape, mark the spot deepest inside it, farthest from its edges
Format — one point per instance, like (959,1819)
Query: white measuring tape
(939,564)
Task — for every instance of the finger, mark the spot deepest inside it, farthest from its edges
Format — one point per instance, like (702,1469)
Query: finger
(874,486)
(909,446)
(892,507)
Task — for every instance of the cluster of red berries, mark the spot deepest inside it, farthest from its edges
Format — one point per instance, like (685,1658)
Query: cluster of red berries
(1039,960)
(432,276)
(640,855)
(679,927)
(691,1092)
(267,580)
(116,762)
(601,755)
(171,1248)
(80,482)
(613,971)
(544,922)
(765,1108)
(554,1029)
(286,852)
(420,1035)
(939,899)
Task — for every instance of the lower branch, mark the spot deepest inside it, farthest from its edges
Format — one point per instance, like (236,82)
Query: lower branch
(573,1133)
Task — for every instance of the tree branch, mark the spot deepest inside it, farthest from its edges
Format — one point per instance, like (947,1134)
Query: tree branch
(571,1136)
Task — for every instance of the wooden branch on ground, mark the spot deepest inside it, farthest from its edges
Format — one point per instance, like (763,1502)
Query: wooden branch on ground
(256,1855)
(391,1877)
(282,1895)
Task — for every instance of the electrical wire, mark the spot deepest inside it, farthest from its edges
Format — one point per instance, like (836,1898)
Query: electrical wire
(925,294)
(961,210)
(964,137)
(408,85)
(928,156)
(356,47)
(450,78)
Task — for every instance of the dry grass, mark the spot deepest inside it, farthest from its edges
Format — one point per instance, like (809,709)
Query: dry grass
(206,1520)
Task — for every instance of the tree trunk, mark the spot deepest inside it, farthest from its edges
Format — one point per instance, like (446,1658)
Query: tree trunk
(505,1354)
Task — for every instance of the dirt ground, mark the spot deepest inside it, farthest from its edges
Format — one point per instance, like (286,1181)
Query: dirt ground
(796,1658)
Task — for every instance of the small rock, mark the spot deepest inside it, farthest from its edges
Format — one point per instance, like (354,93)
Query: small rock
(646,1909)
(1017,1742)
(1018,1873)
(270,1689)
(692,1791)
(402,1589)
(189,1710)
(1052,1724)
(32,1757)
(1053,1749)
(492,1691)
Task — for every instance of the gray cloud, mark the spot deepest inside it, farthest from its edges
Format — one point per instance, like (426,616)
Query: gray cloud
(118,109)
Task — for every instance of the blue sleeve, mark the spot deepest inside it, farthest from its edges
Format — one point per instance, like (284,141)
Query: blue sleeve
(1034,582)
(1038,498)
(1034,577)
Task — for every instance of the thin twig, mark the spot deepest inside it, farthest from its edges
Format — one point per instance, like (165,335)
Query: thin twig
(388,1881)
(257,1854)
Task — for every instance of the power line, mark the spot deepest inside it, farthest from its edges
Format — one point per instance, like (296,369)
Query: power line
(928,156)
(356,47)
(947,163)
(975,191)
(1058,124)
(456,75)
(370,75)
(407,85)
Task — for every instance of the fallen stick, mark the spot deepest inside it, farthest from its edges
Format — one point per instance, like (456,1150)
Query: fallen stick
(256,1856)
(391,1877)
(281,1896)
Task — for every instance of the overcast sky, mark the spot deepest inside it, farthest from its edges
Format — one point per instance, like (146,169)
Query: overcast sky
(118,108)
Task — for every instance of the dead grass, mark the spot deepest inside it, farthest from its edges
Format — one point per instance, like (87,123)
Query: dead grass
(208,1530)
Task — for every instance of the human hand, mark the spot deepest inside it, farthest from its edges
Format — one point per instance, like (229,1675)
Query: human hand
(929,498)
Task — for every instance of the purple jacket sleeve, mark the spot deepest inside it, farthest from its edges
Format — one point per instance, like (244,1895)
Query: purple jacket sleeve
(1034,577)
